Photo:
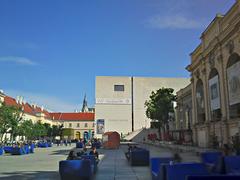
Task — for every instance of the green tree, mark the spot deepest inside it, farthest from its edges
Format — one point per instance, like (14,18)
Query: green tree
(159,106)
(57,130)
(39,130)
(26,129)
(4,119)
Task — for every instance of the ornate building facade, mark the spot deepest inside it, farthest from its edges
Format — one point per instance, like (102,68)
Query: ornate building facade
(215,79)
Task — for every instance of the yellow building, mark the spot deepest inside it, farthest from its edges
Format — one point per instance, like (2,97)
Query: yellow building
(215,78)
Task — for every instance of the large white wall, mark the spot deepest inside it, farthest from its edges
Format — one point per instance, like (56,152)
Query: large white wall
(142,88)
(116,107)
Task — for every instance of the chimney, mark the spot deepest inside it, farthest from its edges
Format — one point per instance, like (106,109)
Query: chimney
(42,108)
(17,99)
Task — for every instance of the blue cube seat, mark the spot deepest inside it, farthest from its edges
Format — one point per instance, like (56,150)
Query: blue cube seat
(180,171)
(43,144)
(1,151)
(97,145)
(31,150)
(213,161)
(75,169)
(156,166)
(18,151)
(215,177)
(139,157)
(8,149)
(26,148)
(79,145)
(92,160)
(232,165)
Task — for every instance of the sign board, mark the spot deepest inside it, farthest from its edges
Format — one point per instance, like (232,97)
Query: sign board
(113,101)
(100,126)
(233,74)
(214,93)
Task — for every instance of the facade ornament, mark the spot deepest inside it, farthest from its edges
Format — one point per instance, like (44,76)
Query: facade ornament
(230,46)
(204,71)
(220,58)
(211,60)
(197,74)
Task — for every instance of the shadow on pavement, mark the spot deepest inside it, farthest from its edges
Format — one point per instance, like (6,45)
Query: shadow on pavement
(38,175)
(60,152)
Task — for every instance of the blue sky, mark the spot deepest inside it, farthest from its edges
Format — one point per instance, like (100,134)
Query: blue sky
(51,51)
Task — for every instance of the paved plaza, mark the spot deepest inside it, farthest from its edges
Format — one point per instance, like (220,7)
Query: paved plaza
(43,164)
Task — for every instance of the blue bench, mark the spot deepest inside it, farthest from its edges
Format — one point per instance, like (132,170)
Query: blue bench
(79,145)
(213,161)
(92,160)
(8,149)
(97,145)
(42,144)
(180,171)
(217,177)
(139,157)
(31,150)
(156,168)
(75,169)
(1,151)
(17,151)
(232,165)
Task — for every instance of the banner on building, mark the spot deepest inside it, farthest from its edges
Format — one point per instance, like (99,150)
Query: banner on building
(214,93)
(233,74)
(100,126)
(113,101)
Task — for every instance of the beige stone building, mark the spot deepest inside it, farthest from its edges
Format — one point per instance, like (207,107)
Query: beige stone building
(215,77)
(120,101)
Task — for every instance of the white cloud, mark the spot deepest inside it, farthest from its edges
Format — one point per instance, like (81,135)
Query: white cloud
(50,103)
(173,22)
(17,60)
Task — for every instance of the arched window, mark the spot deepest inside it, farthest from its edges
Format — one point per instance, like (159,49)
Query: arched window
(200,102)
(233,78)
(214,93)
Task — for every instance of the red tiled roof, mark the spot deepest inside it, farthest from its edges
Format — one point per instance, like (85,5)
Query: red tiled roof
(28,108)
(73,116)
(9,101)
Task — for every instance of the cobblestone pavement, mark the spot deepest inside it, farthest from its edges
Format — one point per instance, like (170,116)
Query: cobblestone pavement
(43,164)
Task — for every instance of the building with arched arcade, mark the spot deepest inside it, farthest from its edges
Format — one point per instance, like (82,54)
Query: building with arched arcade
(215,79)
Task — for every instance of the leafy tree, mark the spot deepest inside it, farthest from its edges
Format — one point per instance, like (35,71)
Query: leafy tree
(159,106)
(26,129)
(57,130)
(4,119)
(39,130)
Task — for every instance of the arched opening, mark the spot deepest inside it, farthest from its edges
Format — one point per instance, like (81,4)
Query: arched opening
(86,135)
(214,92)
(233,78)
(200,102)
(78,135)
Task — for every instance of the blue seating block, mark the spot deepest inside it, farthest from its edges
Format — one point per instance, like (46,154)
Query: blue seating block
(212,160)
(31,150)
(79,145)
(97,145)
(232,165)
(17,151)
(75,169)
(156,166)
(180,171)
(1,151)
(43,144)
(139,157)
(8,149)
(92,160)
(26,148)
(218,177)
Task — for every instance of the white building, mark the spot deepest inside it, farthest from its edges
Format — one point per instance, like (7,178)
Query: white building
(120,101)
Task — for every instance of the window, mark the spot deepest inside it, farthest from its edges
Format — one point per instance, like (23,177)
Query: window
(78,125)
(85,125)
(70,125)
(93,125)
(118,87)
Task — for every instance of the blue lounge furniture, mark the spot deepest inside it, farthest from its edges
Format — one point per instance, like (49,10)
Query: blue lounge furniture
(213,161)
(26,148)
(180,171)
(49,144)
(214,177)
(156,163)
(75,169)
(42,144)
(31,150)
(8,149)
(92,160)
(232,165)
(1,151)
(97,145)
(17,151)
(79,145)
(139,157)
